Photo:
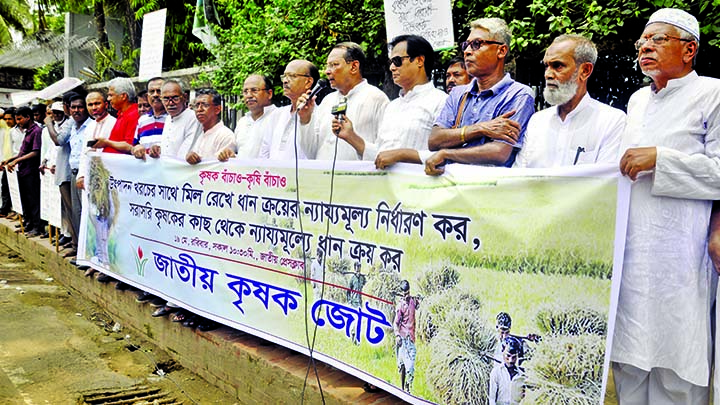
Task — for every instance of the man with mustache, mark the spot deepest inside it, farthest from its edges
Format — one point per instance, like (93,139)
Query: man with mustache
(252,127)
(100,128)
(215,135)
(484,122)
(355,99)
(455,74)
(150,126)
(577,129)
(278,143)
(662,341)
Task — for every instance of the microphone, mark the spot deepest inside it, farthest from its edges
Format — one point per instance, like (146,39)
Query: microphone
(320,85)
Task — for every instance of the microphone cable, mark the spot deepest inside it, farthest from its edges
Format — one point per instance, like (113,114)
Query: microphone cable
(312,365)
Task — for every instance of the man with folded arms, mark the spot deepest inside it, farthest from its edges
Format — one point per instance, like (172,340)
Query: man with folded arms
(482,123)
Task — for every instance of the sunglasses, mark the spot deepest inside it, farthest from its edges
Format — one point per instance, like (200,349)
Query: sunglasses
(398,60)
(476,44)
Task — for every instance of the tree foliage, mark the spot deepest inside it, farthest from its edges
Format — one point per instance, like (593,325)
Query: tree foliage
(264,35)
(14,14)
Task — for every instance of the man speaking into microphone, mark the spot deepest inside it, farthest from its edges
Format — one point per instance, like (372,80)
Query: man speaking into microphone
(365,106)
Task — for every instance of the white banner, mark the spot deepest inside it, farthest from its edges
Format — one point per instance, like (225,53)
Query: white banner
(15,191)
(152,45)
(431,19)
(253,246)
(50,200)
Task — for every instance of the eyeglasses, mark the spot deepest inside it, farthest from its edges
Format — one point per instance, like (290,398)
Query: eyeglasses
(657,39)
(332,65)
(476,44)
(252,91)
(174,99)
(202,105)
(291,76)
(398,60)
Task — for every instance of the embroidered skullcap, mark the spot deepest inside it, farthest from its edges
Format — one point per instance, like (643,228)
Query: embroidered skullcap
(679,18)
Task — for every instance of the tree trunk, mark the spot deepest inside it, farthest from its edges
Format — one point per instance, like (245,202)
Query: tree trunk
(99,14)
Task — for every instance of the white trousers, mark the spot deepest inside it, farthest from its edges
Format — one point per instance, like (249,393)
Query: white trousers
(658,386)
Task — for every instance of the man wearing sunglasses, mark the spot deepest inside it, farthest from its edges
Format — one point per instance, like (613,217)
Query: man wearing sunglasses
(407,121)
(355,100)
(662,346)
(483,122)
(577,129)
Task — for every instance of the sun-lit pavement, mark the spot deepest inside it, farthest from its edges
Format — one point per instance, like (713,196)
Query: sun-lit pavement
(55,346)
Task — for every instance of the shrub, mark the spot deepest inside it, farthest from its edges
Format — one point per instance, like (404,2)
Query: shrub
(574,320)
(566,370)
(384,284)
(435,308)
(460,359)
(436,278)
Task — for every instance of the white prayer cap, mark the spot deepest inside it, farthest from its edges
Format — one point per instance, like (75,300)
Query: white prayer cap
(57,106)
(679,18)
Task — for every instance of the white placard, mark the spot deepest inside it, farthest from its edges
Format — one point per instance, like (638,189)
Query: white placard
(153,41)
(14,190)
(50,206)
(431,19)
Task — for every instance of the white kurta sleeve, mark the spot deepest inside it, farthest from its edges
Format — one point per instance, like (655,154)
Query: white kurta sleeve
(695,176)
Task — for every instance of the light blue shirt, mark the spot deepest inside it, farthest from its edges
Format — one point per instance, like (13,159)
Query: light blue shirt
(77,138)
(484,105)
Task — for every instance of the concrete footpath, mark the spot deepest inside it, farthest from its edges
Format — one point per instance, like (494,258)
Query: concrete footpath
(250,369)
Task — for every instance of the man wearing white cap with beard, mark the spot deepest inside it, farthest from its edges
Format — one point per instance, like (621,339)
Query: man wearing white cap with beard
(577,129)
(662,346)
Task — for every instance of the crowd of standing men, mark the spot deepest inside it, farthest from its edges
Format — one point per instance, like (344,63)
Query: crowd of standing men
(668,144)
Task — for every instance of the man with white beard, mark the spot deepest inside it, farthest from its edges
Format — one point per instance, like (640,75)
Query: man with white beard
(577,129)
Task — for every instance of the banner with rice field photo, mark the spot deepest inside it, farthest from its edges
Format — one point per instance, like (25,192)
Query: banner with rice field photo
(477,286)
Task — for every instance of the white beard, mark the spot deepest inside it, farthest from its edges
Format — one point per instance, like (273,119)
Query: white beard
(564,92)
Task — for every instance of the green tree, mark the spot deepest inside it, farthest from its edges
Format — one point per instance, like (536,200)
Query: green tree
(263,35)
(14,14)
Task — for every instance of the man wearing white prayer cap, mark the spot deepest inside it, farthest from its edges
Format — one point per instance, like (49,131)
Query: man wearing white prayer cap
(662,345)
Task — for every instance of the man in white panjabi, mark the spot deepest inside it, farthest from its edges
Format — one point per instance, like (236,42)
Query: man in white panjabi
(251,128)
(354,99)
(577,129)
(408,120)
(278,143)
(662,346)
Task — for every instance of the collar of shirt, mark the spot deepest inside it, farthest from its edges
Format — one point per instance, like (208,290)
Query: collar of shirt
(157,117)
(266,112)
(674,84)
(127,110)
(497,88)
(416,91)
(583,104)
(76,129)
(355,90)
(183,115)
(31,126)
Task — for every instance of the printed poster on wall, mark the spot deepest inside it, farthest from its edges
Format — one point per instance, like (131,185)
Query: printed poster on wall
(428,287)
(431,19)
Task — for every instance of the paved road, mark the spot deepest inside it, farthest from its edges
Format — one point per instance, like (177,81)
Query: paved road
(56,348)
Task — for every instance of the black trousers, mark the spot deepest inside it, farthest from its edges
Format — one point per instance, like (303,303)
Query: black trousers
(30,199)
(6,201)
